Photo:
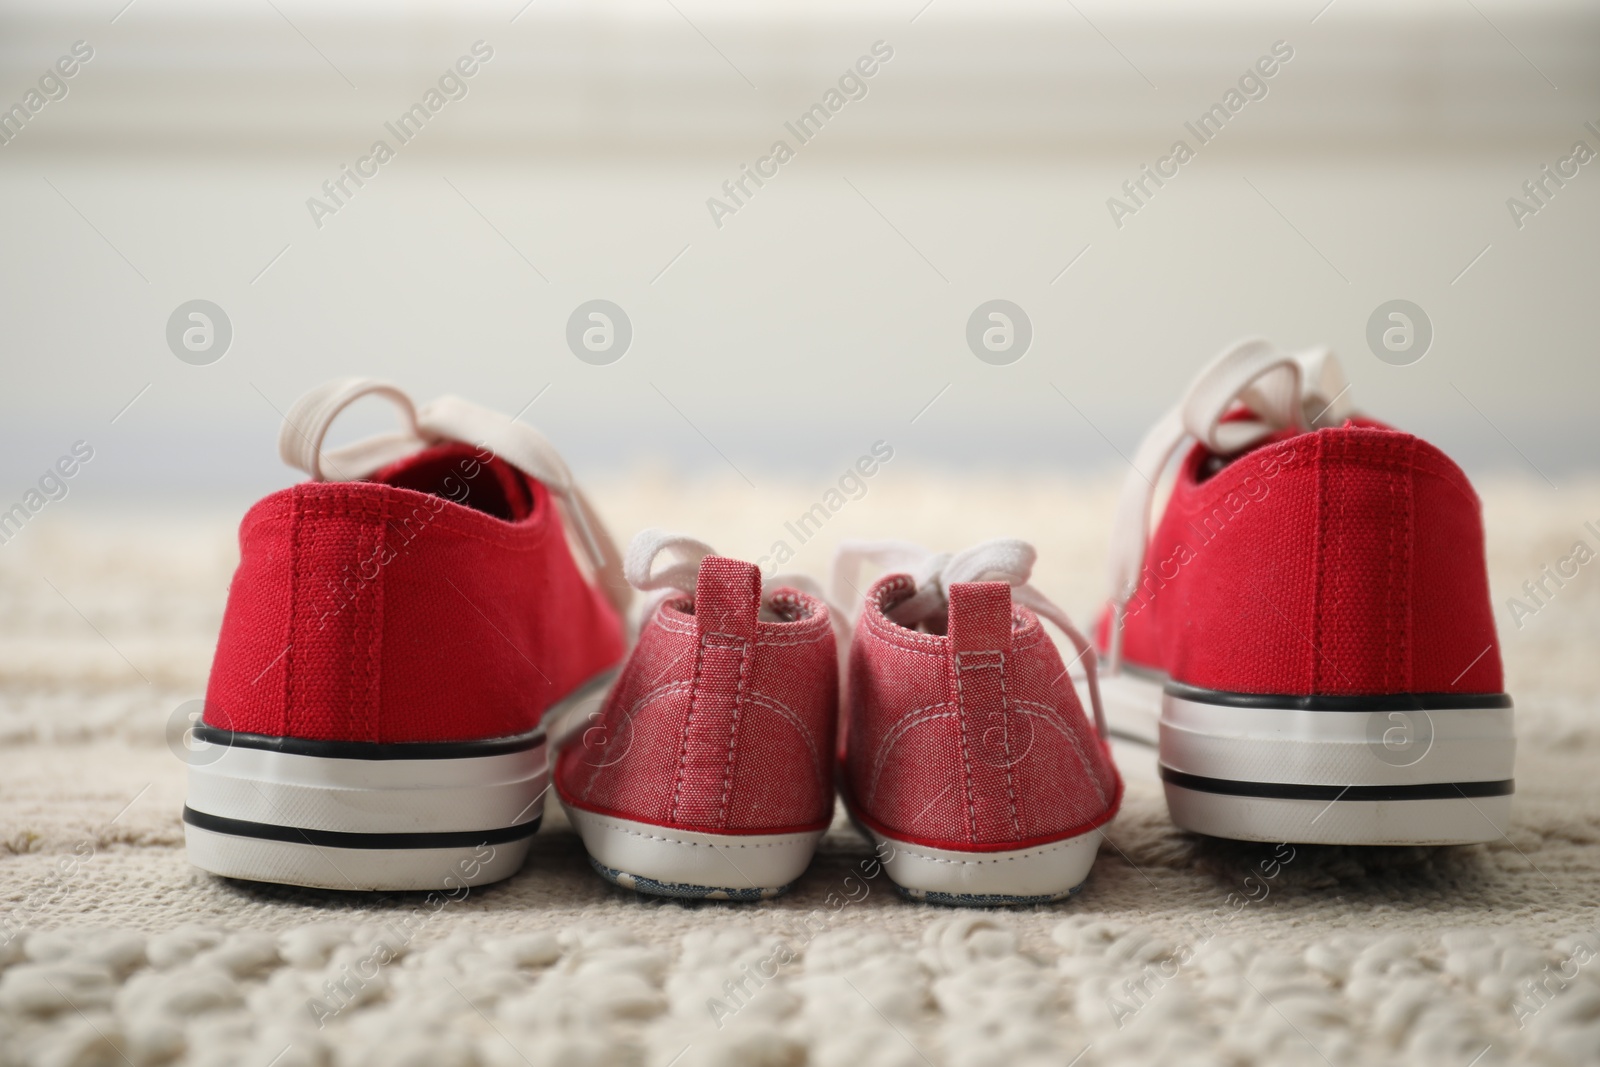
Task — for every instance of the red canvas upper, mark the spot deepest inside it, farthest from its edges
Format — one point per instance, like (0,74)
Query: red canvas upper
(1340,561)
(435,601)
(723,720)
(972,739)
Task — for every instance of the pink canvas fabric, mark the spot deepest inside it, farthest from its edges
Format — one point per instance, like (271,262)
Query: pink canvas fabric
(722,721)
(970,740)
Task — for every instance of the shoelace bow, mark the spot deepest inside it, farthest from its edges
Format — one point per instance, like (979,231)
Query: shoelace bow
(448,418)
(1279,391)
(1003,559)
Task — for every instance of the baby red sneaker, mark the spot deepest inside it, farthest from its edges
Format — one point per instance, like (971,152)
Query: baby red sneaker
(396,631)
(707,772)
(966,755)
(1308,632)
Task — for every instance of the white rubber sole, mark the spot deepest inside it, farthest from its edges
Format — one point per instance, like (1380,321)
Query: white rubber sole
(364,817)
(444,870)
(1040,875)
(682,863)
(1403,770)
(1461,821)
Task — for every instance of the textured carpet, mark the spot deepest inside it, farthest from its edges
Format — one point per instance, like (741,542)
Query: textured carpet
(1179,949)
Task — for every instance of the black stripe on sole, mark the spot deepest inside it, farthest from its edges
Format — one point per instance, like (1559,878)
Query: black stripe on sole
(339,839)
(1292,791)
(1382,702)
(372,750)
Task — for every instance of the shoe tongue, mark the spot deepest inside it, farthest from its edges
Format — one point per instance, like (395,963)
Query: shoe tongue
(459,473)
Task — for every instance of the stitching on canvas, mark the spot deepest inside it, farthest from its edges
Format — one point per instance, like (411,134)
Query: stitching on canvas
(1044,712)
(898,731)
(683,739)
(375,621)
(621,829)
(1339,567)
(1391,657)
(739,695)
(634,711)
(295,530)
(1321,579)
(966,752)
(813,633)
(1042,850)
(1409,541)
(796,642)
(887,629)
(787,713)
(515,537)
(1011,778)
(674,623)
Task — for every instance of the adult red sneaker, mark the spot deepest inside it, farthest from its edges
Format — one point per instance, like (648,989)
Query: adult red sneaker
(396,631)
(966,756)
(1307,633)
(707,772)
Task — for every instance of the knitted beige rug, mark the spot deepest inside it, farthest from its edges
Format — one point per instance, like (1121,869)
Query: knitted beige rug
(1179,950)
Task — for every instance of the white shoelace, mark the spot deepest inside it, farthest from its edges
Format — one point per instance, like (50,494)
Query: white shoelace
(1281,390)
(448,418)
(1003,559)
(682,570)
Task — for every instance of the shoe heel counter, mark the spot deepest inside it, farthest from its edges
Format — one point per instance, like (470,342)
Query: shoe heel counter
(299,652)
(981,666)
(1401,599)
(727,605)
(1034,767)
(713,728)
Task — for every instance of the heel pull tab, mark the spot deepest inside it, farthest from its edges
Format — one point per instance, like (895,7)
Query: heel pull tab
(727,597)
(980,617)
(727,602)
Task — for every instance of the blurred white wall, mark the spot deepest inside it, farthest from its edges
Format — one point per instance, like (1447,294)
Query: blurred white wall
(832,307)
